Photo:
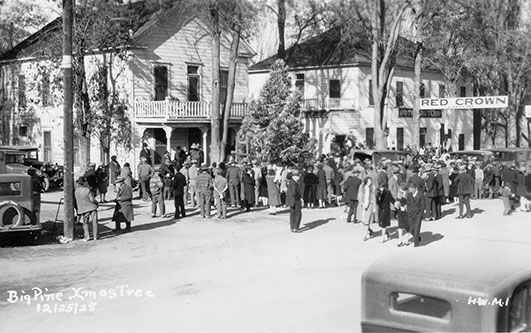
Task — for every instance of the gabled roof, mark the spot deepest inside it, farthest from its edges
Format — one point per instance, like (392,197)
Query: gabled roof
(54,30)
(330,50)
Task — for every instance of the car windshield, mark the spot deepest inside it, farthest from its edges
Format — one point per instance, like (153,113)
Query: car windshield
(32,154)
(14,158)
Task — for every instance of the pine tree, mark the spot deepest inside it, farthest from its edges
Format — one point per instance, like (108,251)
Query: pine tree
(273,131)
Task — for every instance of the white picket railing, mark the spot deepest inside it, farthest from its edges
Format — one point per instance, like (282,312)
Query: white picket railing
(173,110)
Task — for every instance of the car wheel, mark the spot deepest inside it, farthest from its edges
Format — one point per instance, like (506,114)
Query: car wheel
(11,214)
(45,183)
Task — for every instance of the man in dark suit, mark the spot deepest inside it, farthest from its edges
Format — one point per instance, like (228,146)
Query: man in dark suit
(179,183)
(415,211)
(351,187)
(293,200)
(233,178)
(432,196)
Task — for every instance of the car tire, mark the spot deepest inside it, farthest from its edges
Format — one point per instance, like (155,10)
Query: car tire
(8,211)
(45,183)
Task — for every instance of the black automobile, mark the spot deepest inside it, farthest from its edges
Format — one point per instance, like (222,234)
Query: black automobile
(47,172)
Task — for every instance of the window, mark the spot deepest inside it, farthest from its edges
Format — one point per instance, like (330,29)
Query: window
(519,305)
(335,89)
(422,91)
(423,131)
(442,91)
(45,89)
(462,91)
(461,142)
(369,138)
(371,96)
(47,146)
(299,83)
(419,304)
(161,82)
(399,93)
(193,83)
(21,91)
(224,83)
(400,138)
(23,130)
(10,189)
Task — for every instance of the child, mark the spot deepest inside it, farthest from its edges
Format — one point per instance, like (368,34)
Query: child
(507,197)
(168,187)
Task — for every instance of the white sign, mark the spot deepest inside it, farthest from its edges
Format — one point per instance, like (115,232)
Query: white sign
(528,111)
(479,102)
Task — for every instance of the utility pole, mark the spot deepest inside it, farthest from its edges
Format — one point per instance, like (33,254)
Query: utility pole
(68,132)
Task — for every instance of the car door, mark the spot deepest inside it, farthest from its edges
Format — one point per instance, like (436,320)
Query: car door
(519,309)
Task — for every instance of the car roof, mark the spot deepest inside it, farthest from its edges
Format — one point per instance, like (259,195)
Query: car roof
(19,147)
(470,152)
(474,263)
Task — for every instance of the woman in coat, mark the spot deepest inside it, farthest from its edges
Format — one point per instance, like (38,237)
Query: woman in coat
(384,199)
(273,193)
(103,180)
(127,175)
(321,185)
(248,189)
(123,212)
(367,204)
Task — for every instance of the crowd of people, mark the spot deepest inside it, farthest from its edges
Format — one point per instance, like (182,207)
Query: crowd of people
(373,192)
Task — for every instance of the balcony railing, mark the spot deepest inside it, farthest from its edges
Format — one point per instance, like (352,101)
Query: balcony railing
(175,110)
(328,104)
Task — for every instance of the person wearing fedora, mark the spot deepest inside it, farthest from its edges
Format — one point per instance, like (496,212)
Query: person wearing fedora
(145,172)
(204,191)
(87,208)
(179,189)
(91,177)
(294,201)
(123,212)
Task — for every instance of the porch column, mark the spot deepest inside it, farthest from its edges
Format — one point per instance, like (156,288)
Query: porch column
(168,130)
(204,134)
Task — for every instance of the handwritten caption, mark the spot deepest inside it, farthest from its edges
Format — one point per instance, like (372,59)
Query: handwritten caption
(480,301)
(72,300)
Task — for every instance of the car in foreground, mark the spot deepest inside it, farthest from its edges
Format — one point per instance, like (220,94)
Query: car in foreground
(20,205)
(474,286)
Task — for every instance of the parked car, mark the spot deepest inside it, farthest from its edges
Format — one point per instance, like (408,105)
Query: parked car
(508,156)
(20,205)
(47,173)
(481,155)
(377,155)
(473,286)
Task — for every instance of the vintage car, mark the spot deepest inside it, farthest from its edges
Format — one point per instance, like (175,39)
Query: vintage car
(46,172)
(377,155)
(480,155)
(12,161)
(20,205)
(509,156)
(473,286)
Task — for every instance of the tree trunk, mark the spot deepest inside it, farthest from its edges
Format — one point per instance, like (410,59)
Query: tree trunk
(230,88)
(281,26)
(214,117)
(416,84)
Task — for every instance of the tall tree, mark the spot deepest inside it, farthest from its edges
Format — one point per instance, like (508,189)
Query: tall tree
(273,130)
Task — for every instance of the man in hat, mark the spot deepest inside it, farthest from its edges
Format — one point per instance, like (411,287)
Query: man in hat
(87,208)
(179,190)
(415,211)
(293,201)
(145,153)
(233,178)
(145,172)
(204,191)
(123,212)
(114,168)
(465,188)
(351,187)
(432,194)
(156,186)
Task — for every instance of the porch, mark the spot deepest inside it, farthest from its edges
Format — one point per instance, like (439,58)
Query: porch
(170,111)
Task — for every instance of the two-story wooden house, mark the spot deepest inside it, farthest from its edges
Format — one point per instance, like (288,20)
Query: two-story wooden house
(165,80)
(335,83)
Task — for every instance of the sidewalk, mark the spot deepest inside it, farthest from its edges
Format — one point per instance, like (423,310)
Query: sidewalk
(247,273)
